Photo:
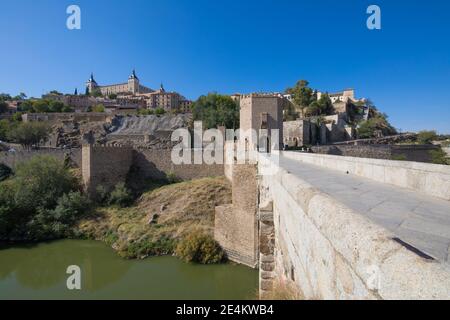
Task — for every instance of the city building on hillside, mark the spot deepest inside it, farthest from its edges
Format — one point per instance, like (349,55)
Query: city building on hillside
(132,91)
(169,101)
(347,95)
(82,103)
(132,86)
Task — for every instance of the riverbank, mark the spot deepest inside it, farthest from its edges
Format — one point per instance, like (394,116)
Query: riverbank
(159,219)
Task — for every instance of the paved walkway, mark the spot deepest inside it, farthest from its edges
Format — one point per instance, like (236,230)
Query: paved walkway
(422,222)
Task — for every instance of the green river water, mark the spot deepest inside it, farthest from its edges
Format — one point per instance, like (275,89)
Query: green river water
(38,271)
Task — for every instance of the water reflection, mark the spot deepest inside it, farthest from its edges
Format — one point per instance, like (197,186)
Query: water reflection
(39,271)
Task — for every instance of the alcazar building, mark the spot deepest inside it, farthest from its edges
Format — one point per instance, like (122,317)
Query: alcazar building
(132,86)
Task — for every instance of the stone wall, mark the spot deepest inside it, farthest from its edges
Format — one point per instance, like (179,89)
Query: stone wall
(328,251)
(105,166)
(418,153)
(156,164)
(236,225)
(430,179)
(11,159)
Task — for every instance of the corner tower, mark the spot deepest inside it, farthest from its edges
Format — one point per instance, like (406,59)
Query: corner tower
(91,84)
(133,83)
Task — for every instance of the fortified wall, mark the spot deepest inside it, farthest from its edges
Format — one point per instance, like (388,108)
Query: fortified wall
(418,153)
(105,166)
(333,227)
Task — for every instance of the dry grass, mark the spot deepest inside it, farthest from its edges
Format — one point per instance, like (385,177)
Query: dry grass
(283,291)
(174,211)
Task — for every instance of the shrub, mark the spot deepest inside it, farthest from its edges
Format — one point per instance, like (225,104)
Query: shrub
(30,134)
(5,172)
(101,195)
(121,196)
(426,137)
(200,248)
(98,108)
(160,111)
(172,177)
(439,157)
(56,223)
(399,157)
(41,181)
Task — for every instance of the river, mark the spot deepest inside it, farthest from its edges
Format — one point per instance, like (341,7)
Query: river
(38,271)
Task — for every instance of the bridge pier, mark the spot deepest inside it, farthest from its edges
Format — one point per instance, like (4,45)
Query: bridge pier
(266,249)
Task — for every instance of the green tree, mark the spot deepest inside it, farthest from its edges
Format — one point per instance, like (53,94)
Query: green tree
(5,172)
(112,96)
(96,93)
(121,196)
(30,134)
(159,111)
(55,106)
(98,108)
(302,94)
(3,107)
(5,128)
(216,110)
(41,106)
(373,126)
(5,97)
(40,201)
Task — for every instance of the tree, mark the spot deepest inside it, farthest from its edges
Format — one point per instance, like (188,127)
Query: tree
(112,96)
(3,107)
(302,94)
(96,93)
(40,201)
(5,129)
(216,110)
(373,126)
(55,106)
(159,111)
(5,172)
(21,96)
(5,97)
(30,134)
(98,108)
(41,106)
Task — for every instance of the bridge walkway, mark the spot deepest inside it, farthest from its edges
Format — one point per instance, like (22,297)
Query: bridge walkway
(418,220)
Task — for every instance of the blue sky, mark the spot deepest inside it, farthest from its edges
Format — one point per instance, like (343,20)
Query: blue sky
(200,46)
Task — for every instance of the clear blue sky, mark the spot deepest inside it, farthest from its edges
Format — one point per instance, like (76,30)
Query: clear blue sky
(196,47)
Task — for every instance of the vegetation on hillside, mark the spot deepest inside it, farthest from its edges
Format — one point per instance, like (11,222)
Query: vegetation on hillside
(173,219)
(42,200)
(376,126)
(216,110)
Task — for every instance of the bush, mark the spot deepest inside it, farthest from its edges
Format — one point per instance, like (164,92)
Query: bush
(98,108)
(30,134)
(200,248)
(41,181)
(426,137)
(39,202)
(439,157)
(121,196)
(5,172)
(56,223)
(172,177)
(101,195)
(160,111)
